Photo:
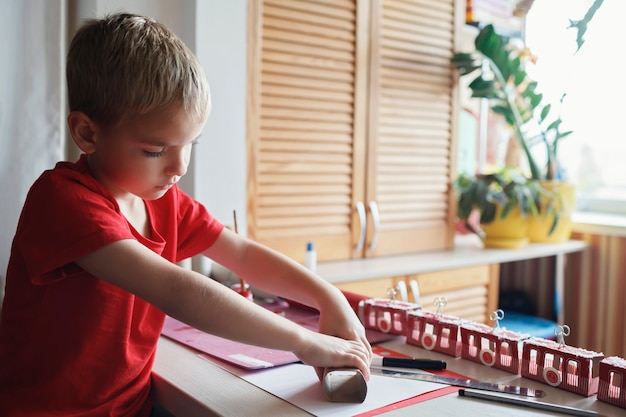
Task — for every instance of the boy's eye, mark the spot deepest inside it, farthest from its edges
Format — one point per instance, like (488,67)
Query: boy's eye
(151,154)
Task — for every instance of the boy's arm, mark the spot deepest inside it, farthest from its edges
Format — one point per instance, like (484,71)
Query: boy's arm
(207,305)
(278,274)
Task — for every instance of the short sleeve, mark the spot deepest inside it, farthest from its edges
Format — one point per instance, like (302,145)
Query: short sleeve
(66,215)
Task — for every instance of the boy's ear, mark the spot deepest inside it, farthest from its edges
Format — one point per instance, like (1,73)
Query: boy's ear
(82,129)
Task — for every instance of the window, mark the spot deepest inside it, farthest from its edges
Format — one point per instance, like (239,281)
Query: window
(594,82)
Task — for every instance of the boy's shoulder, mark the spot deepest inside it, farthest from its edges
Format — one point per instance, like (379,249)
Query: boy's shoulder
(66,170)
(66,184)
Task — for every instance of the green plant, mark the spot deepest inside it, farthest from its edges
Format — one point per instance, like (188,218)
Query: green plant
(503,80)
(507,188)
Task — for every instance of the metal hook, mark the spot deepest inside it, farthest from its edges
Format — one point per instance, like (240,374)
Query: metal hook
(497,316)
(440,303)
(560,332)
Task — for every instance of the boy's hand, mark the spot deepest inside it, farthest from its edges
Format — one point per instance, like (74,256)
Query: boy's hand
(340,320)
(324,351)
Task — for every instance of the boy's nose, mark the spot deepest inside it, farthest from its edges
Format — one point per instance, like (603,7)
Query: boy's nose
(177,164)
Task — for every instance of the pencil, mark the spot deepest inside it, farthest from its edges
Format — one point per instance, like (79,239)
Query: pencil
(242,283)
(527,403)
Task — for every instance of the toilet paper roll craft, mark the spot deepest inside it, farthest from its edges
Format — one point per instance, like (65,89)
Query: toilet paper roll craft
(434,331)
(492,346)
(559,365)
(387,315)
(612,386)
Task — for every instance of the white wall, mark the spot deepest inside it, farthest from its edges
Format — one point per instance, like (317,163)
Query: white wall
(32,103)
(220,158)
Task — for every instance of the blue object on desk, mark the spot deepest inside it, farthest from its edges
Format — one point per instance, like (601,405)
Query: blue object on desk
(534,326)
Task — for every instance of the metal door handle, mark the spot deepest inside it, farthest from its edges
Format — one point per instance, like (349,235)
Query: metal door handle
(360,209)
(376,219)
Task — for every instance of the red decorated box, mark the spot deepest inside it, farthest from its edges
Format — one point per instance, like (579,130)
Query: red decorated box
(385,315)
(492,346)
(559,365)
(612,373)
(434,331)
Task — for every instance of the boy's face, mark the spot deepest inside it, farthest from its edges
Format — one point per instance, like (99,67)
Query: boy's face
(144,156)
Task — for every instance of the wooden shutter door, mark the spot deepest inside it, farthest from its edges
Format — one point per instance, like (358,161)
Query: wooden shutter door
(306,108)
(412,124)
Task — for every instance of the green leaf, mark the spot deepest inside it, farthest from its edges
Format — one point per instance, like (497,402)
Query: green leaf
(488,214)
(564,134)
(555,124)
(544,113)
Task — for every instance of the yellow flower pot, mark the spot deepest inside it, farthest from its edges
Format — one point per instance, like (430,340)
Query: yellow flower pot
(510,232)
(540,226)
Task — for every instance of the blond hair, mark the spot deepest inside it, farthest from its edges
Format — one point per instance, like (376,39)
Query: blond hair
(125,65)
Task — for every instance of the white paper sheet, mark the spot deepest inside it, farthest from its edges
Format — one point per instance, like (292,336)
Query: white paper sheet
(298,384)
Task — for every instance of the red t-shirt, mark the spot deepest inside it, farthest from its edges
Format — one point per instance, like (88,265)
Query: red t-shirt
(70,343)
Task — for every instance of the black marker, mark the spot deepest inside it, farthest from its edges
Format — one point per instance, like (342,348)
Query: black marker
(431,364)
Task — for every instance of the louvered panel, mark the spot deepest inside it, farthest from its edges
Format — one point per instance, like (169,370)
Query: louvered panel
(318,46)
(412,129)
(295,114)
(306,11)
(341,9)
(303,67)
(414,111)
(413,171)
(309,123)
(300,200)
(322,51)
(320,126)
(305,150)
(302,21)
(280,210)
(326,138)
(410,32)
(325,147)
(311,86)
(309,61)
(297,108)
(293,221)
(413,87)
(320,178)
(296,160)
(432,12)
(327,94)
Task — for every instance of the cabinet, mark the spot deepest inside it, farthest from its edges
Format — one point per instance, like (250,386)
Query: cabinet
(351,121)
(471,292)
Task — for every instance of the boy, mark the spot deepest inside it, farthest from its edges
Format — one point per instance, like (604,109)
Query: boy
(92,271)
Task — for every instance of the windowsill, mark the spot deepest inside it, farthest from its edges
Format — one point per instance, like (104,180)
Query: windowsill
(599,223)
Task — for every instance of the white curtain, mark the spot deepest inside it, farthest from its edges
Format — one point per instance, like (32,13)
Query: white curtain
(32,104)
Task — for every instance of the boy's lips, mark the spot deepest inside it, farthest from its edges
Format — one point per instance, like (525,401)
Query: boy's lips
(166,186)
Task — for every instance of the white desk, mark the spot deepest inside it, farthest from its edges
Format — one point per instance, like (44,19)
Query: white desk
(190,386)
